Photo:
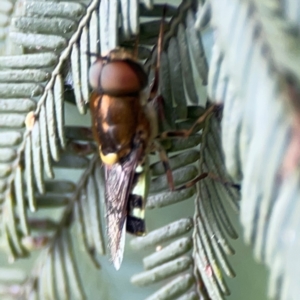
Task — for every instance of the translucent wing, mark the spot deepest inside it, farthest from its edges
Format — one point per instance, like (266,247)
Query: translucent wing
(118,184)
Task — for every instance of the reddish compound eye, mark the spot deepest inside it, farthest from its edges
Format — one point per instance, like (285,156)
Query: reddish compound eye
(117,77)
(121,77)
(95,73)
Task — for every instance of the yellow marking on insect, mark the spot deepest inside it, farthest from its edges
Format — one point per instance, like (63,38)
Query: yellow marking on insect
(138,213)
(142,186)
(109,159)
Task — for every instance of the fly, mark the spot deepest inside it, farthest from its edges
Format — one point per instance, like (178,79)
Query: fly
(124,127)
(124,124)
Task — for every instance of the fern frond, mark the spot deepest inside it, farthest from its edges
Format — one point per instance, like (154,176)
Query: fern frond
(56,273)
(5,16)
(39,89)
(55,38)
(255,72)
(197,266)
(211,226)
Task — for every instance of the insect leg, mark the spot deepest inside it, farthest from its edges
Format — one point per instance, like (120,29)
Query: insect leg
(185,133)
(155,83)
(155,98)
(207,175)
(165,161)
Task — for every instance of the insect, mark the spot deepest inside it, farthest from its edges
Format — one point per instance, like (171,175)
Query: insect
(125,128)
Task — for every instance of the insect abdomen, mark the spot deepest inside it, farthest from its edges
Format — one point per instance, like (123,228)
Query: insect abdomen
(135,217)
(137,201)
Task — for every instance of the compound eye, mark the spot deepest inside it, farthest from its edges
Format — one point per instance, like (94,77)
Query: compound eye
(95,73)
(109,159)
(121,77)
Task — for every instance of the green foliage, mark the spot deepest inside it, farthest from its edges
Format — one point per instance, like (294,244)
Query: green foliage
(55,41)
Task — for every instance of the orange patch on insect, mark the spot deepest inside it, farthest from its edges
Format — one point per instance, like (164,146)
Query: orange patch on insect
(105,105)
(105,126)
(94,101)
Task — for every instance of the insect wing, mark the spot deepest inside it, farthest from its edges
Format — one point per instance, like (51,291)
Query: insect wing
(118,185)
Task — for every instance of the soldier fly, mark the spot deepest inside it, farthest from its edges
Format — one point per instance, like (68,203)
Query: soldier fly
(124,126)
